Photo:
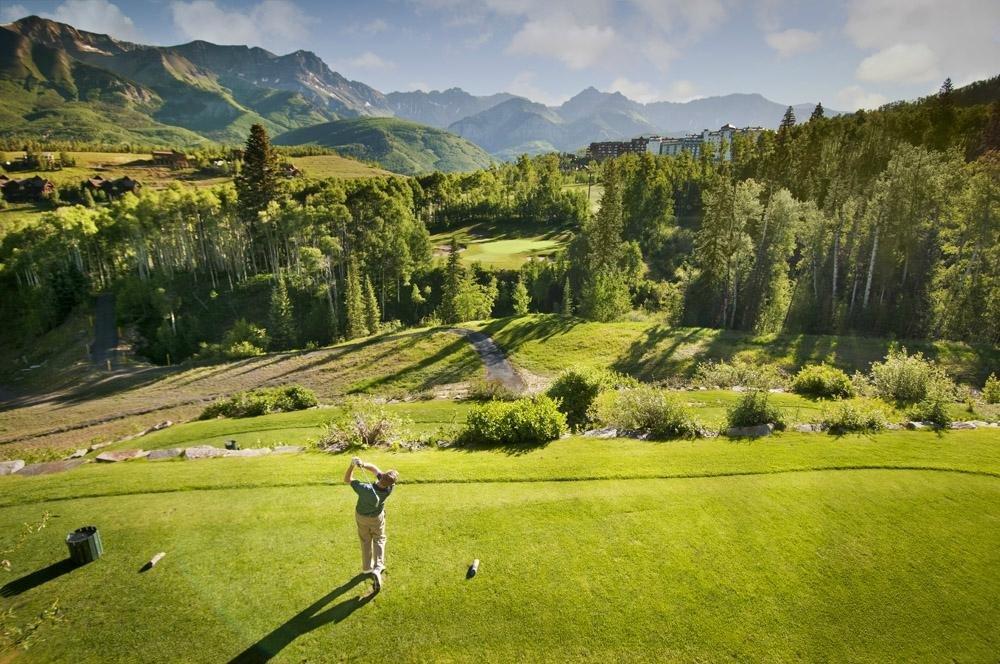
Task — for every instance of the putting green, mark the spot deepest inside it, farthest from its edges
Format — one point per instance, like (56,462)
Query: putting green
(780,550)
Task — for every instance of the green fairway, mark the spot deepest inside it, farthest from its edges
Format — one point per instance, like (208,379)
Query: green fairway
(799,547)
(503,246)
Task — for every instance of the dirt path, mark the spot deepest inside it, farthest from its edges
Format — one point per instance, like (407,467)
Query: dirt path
(498,367)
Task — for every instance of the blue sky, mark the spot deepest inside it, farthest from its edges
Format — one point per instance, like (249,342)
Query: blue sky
(846,54)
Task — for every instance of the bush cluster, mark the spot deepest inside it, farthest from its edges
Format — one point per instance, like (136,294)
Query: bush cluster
(737,373)
(861,416)
(646,410)
(262,401)
(991,390)
(575,390)
(910,379)
(823,382)
(933,409)
(490,390)
(362,424)
(242,340)
(530,421)
(754,409)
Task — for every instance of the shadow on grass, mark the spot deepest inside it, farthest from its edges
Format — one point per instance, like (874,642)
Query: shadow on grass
(310,618)
(37,578)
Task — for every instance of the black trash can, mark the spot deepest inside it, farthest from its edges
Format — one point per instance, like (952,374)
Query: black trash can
(84,545)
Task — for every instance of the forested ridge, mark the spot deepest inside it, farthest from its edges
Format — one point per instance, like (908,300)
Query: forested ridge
(878,223)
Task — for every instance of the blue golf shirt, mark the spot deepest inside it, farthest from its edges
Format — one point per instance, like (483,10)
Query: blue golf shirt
(371,498)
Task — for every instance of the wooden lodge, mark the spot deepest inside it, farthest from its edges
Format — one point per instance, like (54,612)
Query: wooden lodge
(29,190)
(112,188)
(171,158)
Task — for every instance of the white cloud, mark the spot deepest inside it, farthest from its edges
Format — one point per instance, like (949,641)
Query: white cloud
(854,97)
(369,61)
(11,13)
(639,91)
(792,41)
(900,63)
(575,46)
(270,21)
(91,15)
(524,85)
(376,26)
(682,91)
(957,37)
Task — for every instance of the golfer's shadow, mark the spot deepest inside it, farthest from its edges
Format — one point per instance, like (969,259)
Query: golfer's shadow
(307,620)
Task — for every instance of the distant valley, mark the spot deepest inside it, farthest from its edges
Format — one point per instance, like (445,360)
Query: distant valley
(64,84)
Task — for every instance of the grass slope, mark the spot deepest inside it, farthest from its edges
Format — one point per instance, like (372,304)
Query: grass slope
(398,145)
(546,344)
(678,555)
(78,403)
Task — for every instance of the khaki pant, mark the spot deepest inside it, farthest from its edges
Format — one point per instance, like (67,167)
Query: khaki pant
(371,530)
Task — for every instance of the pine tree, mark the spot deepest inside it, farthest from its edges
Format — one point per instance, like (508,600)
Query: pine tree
(567,299)
(281,322)
(818,113)
(417,300)
(257,182)
(373,318)
(357,325)
(452,286)
(787,124)
(521,299)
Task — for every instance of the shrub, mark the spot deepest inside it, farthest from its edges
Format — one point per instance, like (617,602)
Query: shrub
(753,409)
(524,422)
(490,390)
(991,390)
(823,381)
(646,410)
(362,424)
(242,350)
(737,373)
(261,402)
(933,409)
(909,379)
(861,416)
(243,336)
(575,390)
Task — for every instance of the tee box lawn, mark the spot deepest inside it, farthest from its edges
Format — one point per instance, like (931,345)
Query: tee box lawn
(799,547)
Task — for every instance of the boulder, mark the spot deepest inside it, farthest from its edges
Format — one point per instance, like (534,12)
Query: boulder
(158,427)
(203,452)
(751,432)
(894,427)
(78,454)
(963,425)
(120,455)
(10,467)
(51,467)
(249,452)
(97,446)
(808,428)
(606,432)
(170,453)
(288,449)
(914,425)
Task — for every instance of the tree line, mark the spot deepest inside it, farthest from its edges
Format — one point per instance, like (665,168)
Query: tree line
(877,223)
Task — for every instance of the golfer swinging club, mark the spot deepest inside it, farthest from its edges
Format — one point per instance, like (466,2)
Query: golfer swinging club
(370,515)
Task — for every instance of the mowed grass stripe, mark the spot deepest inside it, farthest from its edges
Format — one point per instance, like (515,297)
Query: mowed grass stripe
(567,459)
(538,480)
(869,566)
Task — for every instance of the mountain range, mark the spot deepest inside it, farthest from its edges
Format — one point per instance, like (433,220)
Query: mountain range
(61,83)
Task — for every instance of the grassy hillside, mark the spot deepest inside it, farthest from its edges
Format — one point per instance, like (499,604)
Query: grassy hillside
(589,550)
(546,344)
(398,145)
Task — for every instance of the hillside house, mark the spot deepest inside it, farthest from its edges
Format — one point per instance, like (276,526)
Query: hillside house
(29,190)
(170,158)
